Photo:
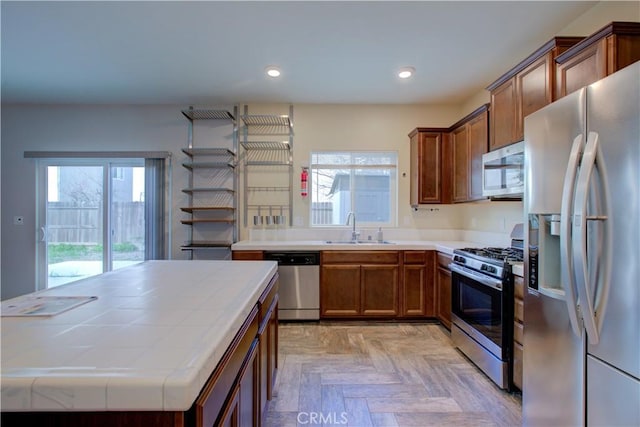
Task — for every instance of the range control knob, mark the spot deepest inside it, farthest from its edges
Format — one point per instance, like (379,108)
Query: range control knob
(489,268)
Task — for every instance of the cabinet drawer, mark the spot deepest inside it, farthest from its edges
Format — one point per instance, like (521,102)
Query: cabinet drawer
(360,257)
(415,257)
(444,260)
(518,329)
(518,287)
(518,352)
(267,298)
(247,255)
(518,310)
(216,391)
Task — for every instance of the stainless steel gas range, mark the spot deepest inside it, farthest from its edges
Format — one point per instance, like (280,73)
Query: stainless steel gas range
(482,307)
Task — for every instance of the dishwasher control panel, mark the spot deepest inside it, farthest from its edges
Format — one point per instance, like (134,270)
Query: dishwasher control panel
(293,258)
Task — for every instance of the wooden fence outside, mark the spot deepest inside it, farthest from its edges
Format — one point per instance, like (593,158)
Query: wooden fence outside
(82,225)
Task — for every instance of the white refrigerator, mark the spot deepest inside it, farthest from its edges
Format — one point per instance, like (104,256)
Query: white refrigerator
(582,257)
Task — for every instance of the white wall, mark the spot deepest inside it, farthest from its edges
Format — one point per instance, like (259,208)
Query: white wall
(600,15)
(79,128)
(364,127)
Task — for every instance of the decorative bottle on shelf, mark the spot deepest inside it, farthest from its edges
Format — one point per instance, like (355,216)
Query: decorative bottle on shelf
(379,237)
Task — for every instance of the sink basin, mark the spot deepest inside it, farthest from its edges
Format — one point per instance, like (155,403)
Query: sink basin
(358,242)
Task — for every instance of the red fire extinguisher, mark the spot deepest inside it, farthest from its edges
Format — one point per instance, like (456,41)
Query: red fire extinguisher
(304,176)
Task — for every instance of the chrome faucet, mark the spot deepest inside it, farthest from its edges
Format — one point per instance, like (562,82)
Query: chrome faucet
(354,234)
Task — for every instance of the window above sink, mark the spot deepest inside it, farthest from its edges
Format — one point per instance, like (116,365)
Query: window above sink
(363,182)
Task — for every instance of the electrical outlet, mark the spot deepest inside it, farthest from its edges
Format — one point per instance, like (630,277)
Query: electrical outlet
(18,220)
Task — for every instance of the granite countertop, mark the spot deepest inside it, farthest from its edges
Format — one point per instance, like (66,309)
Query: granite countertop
(149,342)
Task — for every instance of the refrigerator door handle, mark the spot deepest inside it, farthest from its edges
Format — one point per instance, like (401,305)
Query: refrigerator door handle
(592,306)
(566,212)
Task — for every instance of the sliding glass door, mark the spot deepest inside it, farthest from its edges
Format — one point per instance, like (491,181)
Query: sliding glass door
(92,217)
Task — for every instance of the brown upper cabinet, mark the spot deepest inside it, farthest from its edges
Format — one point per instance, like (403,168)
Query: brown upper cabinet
(446,163)
(427,159)
(469,141)
(525,88)
(599,55)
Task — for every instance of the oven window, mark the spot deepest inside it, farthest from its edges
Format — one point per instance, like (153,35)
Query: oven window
(479,306)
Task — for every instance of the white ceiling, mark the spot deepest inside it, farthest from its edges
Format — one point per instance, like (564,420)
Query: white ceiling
(207,53)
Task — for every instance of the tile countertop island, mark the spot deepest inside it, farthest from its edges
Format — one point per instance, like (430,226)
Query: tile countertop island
(394,245)
(148,342)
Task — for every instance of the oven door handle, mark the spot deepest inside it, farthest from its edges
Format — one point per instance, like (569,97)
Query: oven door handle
(478,277)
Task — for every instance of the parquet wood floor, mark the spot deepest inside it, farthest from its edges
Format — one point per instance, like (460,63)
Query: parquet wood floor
(382,374)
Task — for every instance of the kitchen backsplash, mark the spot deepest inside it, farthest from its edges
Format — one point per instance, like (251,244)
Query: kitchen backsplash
(489,223)
(404,234)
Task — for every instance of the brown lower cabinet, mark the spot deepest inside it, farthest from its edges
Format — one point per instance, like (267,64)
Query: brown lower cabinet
(443,290)
(378,284)
(359,284)
(417,286)
(242,407)
(405,284)
(247,255)
(518,330)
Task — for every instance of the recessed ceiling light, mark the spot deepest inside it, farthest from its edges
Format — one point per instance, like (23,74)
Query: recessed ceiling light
(273,71)
(406,72)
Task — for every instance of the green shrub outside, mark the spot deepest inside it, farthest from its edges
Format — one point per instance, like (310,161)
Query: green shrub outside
(60,252)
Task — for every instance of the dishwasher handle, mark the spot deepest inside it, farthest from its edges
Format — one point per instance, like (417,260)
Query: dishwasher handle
(293,258)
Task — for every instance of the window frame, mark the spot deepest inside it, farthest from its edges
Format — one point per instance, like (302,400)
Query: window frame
(354,168)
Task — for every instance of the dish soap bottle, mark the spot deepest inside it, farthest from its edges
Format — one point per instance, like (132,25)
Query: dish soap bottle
(379,237)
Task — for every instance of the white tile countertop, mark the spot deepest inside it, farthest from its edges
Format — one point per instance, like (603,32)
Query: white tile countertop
(149,342)
(322,245)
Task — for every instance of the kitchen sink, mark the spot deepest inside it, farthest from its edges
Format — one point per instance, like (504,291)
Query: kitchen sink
(358,242)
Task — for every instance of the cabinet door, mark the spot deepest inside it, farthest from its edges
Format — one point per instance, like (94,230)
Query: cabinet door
(231,415)
(272,340)
(504,115)
(534,89)
(518,356)
(460,148)
(268,355)
(418,287)
(426,158)
(340,290)
(380,290)
(478,145)
(249,394)
(413,291)
(443,293)
(589,66)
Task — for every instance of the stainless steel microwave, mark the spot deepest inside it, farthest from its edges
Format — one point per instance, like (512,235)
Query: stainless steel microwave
(503,172)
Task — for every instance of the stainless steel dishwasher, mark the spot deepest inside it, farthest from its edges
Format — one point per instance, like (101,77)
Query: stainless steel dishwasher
(299,284)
